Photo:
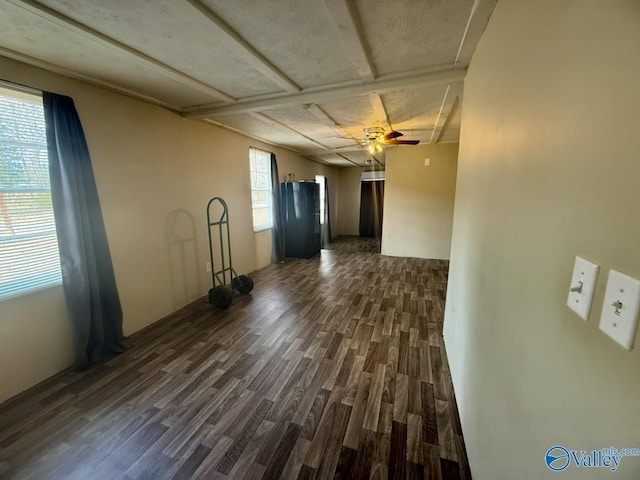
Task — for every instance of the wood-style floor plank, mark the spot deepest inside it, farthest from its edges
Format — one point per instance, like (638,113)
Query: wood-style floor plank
(333,367)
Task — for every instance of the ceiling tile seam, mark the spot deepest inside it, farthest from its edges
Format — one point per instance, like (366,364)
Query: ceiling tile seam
(63,21)
(452,111)
(336,151)
(241,46)
(272,121)
(344,19)
(324,117)
(474,7)
(339,152)
(379,85)
(349,160)
(262,140)
(311,159)
(381,111)
(444,100)
(36,62)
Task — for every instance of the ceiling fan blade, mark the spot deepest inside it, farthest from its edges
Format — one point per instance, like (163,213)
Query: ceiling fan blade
(393,134)
(402,142)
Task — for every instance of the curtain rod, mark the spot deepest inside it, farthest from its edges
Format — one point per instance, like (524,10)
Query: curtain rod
(20,87)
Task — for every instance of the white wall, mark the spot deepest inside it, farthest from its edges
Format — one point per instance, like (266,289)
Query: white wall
(548,169)
(155,172)
(418,201)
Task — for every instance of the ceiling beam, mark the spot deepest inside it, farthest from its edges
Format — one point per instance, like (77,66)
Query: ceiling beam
(474,7)
(305,154)
(330,93)
(36,62)
(69,24)
(238,45)
(321,115)
(323,148)
(282,126)
(344,17)
(340,150)
(452,111)
(326,119)
(313,159)
(266,142)
(481,11)
(439,117)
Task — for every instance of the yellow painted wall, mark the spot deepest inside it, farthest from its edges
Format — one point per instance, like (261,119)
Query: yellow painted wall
(155,172)
(418,201)
(548,169)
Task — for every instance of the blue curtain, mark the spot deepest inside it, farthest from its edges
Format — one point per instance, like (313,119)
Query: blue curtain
(277,231)
(87,272)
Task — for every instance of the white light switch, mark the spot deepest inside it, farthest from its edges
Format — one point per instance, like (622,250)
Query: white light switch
(583,284)
(620,308)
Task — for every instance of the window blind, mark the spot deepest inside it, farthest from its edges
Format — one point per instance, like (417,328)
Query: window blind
(261,201)
(29,258)
(320,181)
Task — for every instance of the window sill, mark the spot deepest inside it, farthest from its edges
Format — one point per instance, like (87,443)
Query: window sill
(30,291)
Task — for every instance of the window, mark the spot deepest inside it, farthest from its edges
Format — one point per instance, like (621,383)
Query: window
(320,180)
(29,257)
(261,198)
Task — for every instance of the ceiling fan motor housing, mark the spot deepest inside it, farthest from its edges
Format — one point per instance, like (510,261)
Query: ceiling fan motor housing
(374,134)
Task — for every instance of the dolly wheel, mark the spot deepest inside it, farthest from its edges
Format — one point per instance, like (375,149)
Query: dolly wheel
(242,283)
(220,296)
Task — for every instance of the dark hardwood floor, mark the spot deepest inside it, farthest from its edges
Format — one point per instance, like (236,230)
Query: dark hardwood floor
(333,367)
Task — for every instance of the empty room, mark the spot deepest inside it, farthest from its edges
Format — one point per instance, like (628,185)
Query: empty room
(319,239)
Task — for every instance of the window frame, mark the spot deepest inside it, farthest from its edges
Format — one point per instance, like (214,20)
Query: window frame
(35,239)
(320,180)
(256,154)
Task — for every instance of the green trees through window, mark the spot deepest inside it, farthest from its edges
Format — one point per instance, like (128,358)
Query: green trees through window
(28,245)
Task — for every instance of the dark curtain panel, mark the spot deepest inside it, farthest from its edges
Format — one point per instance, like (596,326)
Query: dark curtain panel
(326,227)
(371,205)
(87,272)
(277,232)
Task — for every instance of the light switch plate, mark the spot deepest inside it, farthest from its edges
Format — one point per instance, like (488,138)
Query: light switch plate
(620,308)
(584,278)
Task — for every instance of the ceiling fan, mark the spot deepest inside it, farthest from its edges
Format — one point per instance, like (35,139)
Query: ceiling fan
(376,139)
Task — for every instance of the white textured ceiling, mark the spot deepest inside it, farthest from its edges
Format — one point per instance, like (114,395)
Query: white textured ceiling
(308,75)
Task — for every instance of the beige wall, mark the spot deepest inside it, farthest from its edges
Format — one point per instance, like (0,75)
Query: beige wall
(418,201)
(548,169)
(155,173)
(349,206)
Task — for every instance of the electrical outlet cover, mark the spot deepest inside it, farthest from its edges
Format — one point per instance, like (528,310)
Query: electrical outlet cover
(620,322)
(585,273)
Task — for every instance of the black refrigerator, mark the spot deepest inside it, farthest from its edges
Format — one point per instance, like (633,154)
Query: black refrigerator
(301,214)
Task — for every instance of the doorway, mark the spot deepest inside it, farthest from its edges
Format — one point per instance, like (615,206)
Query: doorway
(371,208)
